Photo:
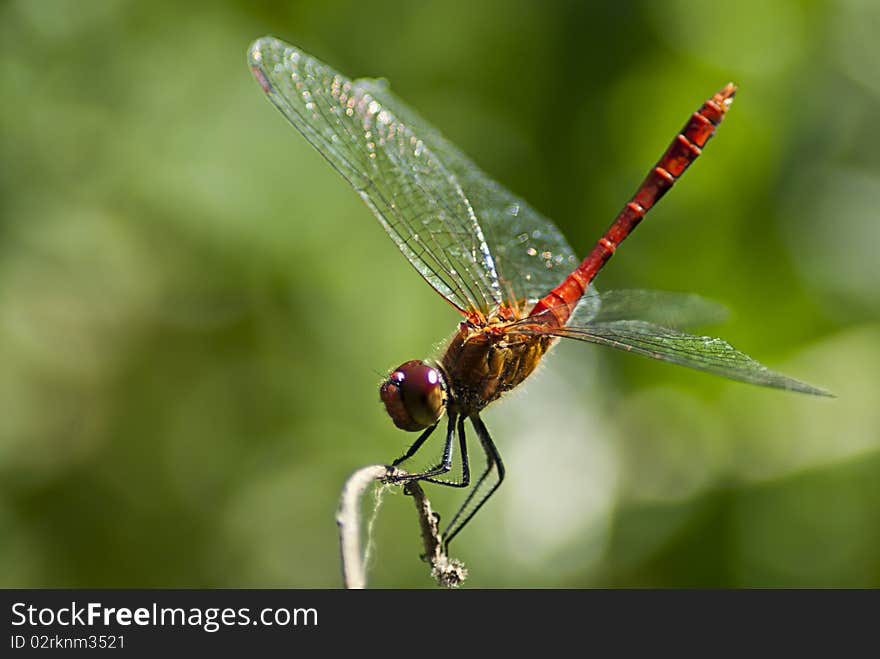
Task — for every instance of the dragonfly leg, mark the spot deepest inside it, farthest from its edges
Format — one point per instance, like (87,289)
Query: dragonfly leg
(465,464)
(493,460)
(415,447)
(445,463)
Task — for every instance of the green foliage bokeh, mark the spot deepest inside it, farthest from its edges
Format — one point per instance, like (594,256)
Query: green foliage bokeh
(195,310)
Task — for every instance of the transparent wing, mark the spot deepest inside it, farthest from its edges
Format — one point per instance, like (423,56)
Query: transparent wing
(417,198)
(700,352)
(666,308)
(530,254)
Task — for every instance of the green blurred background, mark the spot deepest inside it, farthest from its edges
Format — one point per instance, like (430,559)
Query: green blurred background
(196,311)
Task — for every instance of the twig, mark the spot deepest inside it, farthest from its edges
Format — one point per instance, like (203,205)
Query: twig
(447,572)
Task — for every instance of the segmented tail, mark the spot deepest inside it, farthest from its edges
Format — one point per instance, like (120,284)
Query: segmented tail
(684,149)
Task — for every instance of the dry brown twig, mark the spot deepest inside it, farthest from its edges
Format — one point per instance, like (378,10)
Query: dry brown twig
(446,572)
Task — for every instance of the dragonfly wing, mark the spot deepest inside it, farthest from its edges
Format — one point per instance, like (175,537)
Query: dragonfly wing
(531,255)
(417,198)
(665,308)
(669,345)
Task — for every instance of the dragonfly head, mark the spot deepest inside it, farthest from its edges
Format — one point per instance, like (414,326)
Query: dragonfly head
(414,395)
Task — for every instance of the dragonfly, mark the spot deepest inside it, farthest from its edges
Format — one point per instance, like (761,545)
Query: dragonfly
(507,270)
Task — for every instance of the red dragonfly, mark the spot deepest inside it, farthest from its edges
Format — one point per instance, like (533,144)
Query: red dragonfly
(506,269)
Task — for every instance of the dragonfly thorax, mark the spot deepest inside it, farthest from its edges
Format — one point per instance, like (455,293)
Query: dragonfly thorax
(483,363)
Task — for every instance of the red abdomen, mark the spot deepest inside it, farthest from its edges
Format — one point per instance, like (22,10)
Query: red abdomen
(556,306)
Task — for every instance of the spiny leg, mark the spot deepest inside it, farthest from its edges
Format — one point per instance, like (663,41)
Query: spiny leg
(445,463)
(465,464)
(490,464)
(415,446)
(493,459)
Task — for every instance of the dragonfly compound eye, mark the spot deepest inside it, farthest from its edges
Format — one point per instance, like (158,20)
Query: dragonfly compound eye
(414,395)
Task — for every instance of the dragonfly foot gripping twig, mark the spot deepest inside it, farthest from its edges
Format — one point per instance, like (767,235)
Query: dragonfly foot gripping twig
(446,572)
